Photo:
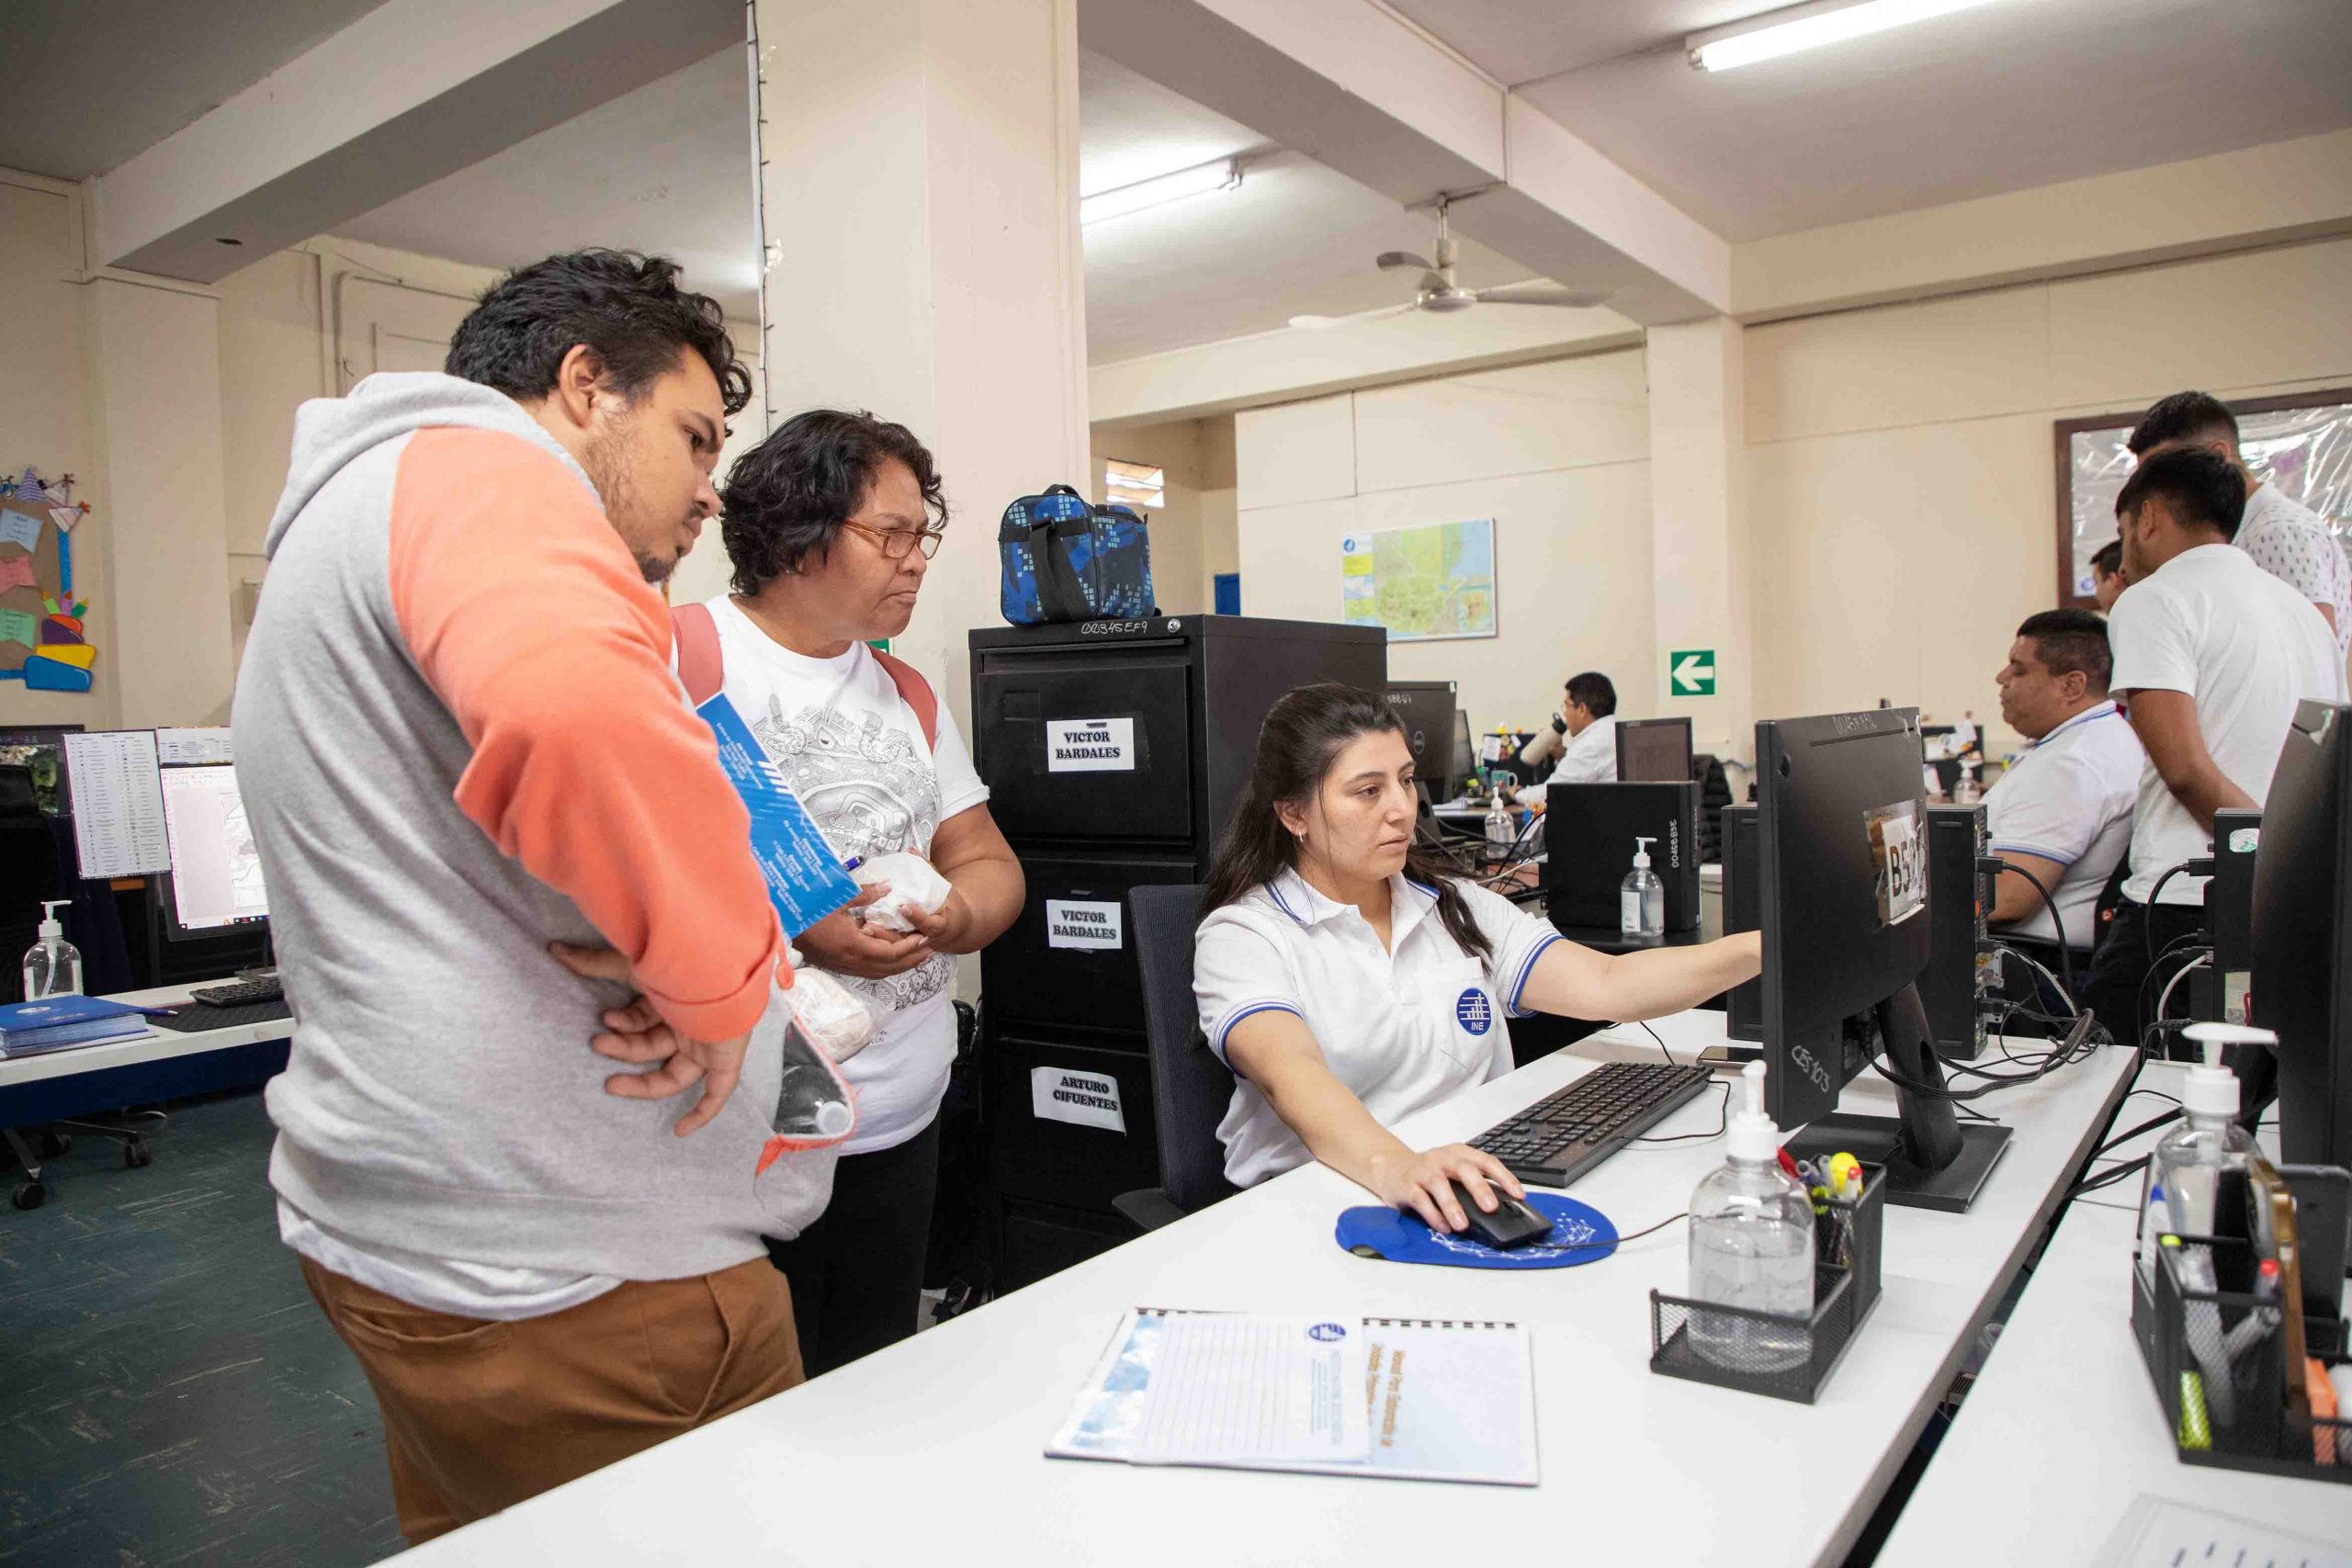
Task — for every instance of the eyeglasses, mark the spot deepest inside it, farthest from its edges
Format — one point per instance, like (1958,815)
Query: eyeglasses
(897,542)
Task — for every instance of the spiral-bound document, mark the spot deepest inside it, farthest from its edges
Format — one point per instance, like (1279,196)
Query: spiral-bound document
(1441,1399)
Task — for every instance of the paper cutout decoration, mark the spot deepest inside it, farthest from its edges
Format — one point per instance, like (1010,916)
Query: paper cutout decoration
(66,516)
(20,526)
(54,632)
(15,571)
(17,626)
(80,655)
(45,674)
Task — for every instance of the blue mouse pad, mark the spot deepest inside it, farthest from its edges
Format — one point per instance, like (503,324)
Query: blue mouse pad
(1581,1234)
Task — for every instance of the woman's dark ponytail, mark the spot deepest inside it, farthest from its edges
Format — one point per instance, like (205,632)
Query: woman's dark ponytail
(1303,734)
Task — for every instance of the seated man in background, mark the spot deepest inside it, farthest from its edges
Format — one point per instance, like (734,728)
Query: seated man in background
(1583,734)
(2286,539)
(2108,581)
(2211,656)
(2063,811)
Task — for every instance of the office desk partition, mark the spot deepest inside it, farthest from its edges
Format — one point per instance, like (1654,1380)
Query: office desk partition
(932,1451)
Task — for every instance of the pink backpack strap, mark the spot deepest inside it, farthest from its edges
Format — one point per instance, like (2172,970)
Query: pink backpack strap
(916,692)
(702,668)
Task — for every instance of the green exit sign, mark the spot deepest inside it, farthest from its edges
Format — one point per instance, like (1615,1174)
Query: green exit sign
(1690,672)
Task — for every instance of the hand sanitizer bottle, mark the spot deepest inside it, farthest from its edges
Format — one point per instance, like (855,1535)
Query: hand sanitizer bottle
(1641,897)
(1501,833)
(52,964)
(1751,1245)
(2191,1160)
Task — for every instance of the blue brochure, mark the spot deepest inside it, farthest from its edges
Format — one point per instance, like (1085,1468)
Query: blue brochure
(805,878)
(1581,1234)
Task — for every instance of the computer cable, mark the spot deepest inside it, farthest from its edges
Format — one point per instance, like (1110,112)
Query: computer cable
(1661,1044)
(1722,1121)
(2076,1047)
(2150,1126)
(2065,988)
(1995,865)
(2105,1179)
(2201,865)
(2203,960)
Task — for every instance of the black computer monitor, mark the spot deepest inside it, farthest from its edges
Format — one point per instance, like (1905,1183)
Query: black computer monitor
(1842,899)
(1426,709)
(215,883)
(1463,762)
(2302,986)
(1653,750)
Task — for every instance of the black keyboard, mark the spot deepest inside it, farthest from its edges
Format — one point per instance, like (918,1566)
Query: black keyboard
(1560,1137)
(239,993)
(196,1019)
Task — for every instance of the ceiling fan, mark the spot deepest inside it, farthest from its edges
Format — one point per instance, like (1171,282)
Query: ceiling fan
(1439,295)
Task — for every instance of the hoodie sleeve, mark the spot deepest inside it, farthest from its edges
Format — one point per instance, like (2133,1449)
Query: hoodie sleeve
(528,617)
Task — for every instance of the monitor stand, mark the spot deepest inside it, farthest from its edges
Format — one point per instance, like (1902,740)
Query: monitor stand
(1933,1159)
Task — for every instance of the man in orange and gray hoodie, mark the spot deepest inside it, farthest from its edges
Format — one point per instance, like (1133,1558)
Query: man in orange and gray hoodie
(462,748)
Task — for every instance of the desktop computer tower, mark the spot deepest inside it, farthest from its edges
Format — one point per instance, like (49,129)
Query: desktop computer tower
(1114,752)
(1952,988)
(1589,833)
(1960,973)
(2217,993)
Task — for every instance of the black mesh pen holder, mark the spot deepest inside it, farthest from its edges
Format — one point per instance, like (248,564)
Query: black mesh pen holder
(2218,1361)
(1785,1358)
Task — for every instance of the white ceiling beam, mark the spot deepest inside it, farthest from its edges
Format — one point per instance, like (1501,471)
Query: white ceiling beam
(2275,194)
(411,91)
(1354,87)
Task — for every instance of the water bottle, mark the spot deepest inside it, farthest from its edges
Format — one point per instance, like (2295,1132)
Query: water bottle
(1501,832)
(52,964)
(1751,1245)
(812,1103)
(1641,899)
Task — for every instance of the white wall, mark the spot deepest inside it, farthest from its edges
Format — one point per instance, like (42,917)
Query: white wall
(1557,454)
(1903,482)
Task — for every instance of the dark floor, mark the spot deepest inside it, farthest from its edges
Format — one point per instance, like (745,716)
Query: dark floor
(168,1391)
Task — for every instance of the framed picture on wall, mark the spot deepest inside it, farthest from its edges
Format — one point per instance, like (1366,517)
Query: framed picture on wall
(2302,443)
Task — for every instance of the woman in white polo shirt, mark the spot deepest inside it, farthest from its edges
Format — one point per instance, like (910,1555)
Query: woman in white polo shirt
(1348,981)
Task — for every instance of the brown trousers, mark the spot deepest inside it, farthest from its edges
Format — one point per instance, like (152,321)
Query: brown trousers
(479,1415)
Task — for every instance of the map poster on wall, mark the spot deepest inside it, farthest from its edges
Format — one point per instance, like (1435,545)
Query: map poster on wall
(1436,580)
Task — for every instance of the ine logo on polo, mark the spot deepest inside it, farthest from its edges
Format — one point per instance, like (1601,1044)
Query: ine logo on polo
(1476,1013)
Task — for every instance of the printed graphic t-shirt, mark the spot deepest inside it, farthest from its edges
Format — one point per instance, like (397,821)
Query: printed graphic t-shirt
(854,752)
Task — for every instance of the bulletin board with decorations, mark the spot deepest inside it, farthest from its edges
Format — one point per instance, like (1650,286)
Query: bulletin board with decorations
(41,640)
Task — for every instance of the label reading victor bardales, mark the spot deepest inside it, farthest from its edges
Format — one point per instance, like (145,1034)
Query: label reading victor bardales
(1071,922)
(1090,745)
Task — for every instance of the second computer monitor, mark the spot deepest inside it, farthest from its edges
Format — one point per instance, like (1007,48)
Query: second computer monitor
(215,881)
(1426,709)
(2303,934)
(1653,750)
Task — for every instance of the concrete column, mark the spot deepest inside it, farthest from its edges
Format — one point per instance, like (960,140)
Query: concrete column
(153,355)
(1699,526)
(919,199)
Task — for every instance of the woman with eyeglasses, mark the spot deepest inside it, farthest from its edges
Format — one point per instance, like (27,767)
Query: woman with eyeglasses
(829,523)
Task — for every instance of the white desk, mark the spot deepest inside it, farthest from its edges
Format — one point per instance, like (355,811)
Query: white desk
(155,1046)
(932,1451)
(159,1064)
(2063,1428)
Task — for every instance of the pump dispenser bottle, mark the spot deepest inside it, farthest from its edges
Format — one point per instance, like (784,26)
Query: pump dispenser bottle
(52,964)
(1751,1245)
(1641,897)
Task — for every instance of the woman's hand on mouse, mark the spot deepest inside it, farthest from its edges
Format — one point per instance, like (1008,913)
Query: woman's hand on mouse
(1423,1182)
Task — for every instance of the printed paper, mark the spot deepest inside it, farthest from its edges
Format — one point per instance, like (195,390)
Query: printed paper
(1090,745)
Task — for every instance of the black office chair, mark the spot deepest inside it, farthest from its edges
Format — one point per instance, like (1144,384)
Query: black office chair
(1190,1088)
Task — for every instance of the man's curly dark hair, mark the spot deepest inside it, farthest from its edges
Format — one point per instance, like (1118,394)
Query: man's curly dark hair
(627,307)
(790,494)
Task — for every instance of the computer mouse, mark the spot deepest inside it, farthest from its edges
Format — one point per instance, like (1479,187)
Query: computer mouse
(1514,1223)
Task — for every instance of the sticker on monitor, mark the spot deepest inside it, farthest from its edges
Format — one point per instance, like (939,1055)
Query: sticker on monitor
(1899,851)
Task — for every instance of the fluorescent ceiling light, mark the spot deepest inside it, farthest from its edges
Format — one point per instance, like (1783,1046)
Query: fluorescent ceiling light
(1223,174)
(1809,27)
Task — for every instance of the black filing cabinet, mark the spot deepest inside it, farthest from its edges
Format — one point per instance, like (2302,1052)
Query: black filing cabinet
(1112,752)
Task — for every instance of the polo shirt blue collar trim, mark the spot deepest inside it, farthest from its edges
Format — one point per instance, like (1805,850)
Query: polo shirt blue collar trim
(1408,903)
(2101,710)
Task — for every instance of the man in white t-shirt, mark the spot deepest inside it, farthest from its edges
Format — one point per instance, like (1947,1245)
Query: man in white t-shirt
(1583,734)
(2286,539)
(2211,656)
(829,523)
(2063,811)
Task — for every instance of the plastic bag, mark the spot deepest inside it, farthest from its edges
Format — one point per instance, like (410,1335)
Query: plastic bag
(834,1021)
(914,884)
